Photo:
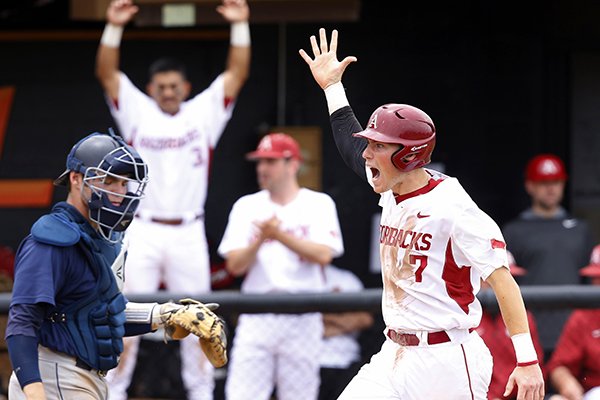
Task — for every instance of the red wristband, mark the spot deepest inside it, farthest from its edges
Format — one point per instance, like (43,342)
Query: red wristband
(526,364)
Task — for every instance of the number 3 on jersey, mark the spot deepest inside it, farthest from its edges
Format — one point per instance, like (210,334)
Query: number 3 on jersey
(199,160)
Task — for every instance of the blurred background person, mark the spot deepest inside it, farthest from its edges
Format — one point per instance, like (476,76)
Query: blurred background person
(341,355)
(547,241)
(574,369)
(279,238)
(176,136)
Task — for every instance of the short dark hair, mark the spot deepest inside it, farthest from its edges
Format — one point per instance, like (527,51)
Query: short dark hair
(166,64)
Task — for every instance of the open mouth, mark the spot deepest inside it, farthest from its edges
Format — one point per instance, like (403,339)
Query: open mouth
(374,172)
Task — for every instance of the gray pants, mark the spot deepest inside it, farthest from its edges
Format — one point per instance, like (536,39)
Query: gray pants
(62,379)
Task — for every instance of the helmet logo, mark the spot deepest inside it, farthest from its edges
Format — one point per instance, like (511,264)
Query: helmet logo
(415,148)
(373,122)
(549,167)
(265,143)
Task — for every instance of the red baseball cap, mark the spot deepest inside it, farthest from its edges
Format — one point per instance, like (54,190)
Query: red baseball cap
(545,167)
(515,270)
(593,270)
(276,145)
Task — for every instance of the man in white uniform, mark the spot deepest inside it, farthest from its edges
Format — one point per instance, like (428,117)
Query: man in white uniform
(167,238)
(436,245)
(281,238)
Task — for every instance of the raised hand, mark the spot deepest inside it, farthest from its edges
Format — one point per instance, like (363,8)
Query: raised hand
(120,12)
(325,67)
(234,10)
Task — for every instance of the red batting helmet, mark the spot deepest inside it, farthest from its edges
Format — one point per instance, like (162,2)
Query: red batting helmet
(545,167)
(405,125)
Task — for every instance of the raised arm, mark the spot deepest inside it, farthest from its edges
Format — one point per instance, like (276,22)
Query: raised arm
(118,14)
(238,59)
(527,376)
(327,72)
(325,67)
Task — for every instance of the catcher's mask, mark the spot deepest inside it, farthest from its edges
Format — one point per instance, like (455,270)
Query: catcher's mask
(97,157)
(407,126)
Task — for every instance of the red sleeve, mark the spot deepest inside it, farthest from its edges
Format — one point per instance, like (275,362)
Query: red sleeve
(569,349)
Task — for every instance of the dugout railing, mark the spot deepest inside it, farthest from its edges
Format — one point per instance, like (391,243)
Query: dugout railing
(234,302)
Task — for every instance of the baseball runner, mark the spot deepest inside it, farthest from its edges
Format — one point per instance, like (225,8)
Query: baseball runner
(176,137)
(67,316)
(280,238)
(436,245)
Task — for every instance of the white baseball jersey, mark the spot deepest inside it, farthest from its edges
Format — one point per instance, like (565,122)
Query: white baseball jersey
(340,351)
(311,216)
(176,147)
(436,245)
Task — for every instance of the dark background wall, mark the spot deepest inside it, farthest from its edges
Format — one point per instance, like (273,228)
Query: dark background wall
(496,77)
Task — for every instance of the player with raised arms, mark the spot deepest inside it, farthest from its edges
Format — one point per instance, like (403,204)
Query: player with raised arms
(436,245)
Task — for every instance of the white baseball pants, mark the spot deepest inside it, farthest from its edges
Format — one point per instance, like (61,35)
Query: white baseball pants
(456,370)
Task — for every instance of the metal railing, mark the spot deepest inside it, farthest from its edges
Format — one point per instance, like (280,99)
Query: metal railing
(536,297)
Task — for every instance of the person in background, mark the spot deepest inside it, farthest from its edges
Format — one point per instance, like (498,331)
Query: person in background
(547,241)
(341,352)
(574,369)
(279,239)
(176,136)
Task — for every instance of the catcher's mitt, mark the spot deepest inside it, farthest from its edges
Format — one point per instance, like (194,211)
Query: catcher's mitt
(194,317)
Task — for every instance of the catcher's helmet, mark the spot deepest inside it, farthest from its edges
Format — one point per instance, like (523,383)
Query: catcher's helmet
(405,125)
(545,167)
(96,157)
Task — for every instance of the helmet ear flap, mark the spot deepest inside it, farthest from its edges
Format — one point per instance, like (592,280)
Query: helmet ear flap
(419,155)
(397,157)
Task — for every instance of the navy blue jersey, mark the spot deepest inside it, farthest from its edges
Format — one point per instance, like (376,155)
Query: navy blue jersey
(65,296)
(50,276)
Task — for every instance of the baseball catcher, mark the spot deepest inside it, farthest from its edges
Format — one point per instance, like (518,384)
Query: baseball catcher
(185,317)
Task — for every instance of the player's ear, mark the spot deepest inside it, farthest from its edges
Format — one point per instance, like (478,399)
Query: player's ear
(187,88)
(75,179)
(529,187)
(150,89)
